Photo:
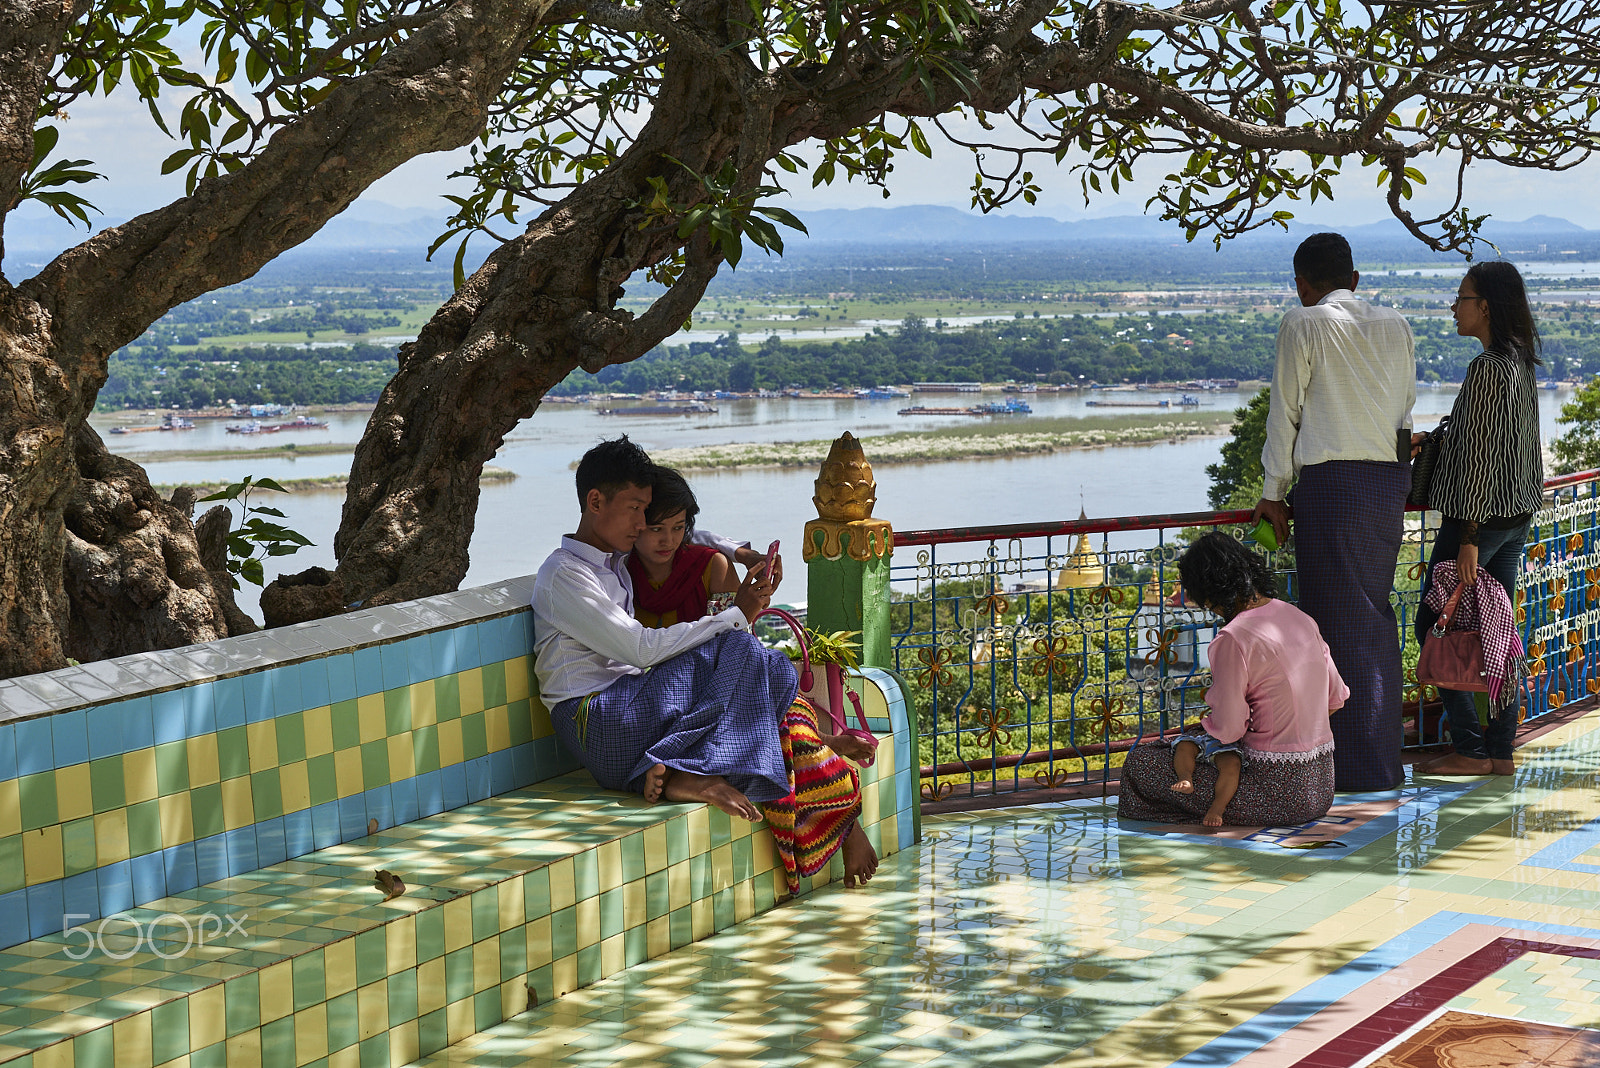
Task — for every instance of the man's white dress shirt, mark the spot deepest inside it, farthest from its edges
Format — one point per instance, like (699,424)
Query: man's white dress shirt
(584,635)
(1345,381)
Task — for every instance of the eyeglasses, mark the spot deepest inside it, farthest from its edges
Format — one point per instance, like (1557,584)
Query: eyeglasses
(1458,300)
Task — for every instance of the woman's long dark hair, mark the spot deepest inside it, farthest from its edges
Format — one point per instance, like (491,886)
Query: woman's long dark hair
(1511,325)
(669,495)
(1219,573)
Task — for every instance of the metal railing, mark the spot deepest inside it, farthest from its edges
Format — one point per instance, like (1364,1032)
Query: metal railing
(1037,654)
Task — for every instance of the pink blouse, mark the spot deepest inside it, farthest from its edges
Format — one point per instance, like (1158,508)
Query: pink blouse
(1273,683)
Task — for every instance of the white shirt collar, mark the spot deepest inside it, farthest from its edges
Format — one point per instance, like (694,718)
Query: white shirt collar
(1337,295)
(589,554)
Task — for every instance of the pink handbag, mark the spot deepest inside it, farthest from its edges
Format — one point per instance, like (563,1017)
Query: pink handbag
(836,688)
(1453,658)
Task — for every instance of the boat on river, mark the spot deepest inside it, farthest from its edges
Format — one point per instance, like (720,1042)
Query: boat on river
(251,427)
(1126,404)
(301,422)
(692,408)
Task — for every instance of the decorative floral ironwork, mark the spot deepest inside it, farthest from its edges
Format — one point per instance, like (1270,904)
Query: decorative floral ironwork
(1056,659)
(1110,596)
(937,791)
(1537,551)
(936,673)
(1106,716)
(995,603)
(1049,780)
(1574,543)
(1417,570)
(1163,653)
(1575,651)
(993,721)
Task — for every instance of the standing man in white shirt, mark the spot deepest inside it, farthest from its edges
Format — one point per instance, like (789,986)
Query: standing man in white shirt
(1340,422)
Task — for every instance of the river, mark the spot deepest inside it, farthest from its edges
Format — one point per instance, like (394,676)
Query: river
(520,521)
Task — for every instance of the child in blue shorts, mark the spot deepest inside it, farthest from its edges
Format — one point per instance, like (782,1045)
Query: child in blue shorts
(1224,756)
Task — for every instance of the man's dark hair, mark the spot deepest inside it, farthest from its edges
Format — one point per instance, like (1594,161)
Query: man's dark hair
(1324,260)
(611,465)
(669,495)
(1219,573)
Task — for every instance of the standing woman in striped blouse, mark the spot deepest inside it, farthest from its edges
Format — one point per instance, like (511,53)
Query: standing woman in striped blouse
(1488,483)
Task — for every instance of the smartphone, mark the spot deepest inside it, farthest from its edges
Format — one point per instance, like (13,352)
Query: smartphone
(772,555)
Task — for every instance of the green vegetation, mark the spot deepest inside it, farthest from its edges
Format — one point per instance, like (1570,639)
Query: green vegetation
(1236,480)
(255,537)
(1579,448)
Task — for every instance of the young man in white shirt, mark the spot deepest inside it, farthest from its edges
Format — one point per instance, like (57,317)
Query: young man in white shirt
(1340,423)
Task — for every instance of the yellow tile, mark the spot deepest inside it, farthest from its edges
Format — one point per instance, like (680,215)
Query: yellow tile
(678,885)
(207,1017)
(262,739)
(609,855)
(459,1020)
(513,997)
(311,1033)
(73,800)
(177,821)
(612,959)
(430,985)
(318,724)
(588,917)
(538,938)
(277,991)
(564,975)
(486,965)
(139,775)
(238,809)
(763,851)
(424,707)
(130,1040)
(111,836)
(469,684)
(349,1057)
(10,808)
(294,783)
(699,832)
(701,920)
(370,717)
(339,966)
(203,760)
(497,725)
(244,1050)
(404,1044)
(890,828)
(657,937)
(562,890)
(655,848)
(721,868)
(41,854)
(744,900)
(741,829)
(457,924)
(450,751)
(518,678)
(540,717)
(56,1056)
(400,942)
(633,904)
(372,1009)
(510,903)
(347,772)
(401,761)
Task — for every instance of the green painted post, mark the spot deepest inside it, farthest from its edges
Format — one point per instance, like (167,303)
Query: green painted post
(847,554)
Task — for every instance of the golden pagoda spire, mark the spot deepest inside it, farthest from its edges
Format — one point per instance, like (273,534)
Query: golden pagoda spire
(1085,570)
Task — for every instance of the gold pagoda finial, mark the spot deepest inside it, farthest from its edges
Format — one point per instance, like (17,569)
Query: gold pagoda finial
(1085,570)
(845,496)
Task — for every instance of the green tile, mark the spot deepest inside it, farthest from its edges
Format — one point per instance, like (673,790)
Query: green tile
(563,933)
(277,1042)
(611,913)
(77,846)
(291,737)
(233,752)
(372,956)
(375,1051)
(375,764)
(541,985)
(397,710)
(635,946)
(425,749)
(485,913)
(486,1011)
(402,997)
(322,778)
(344,1022)
(458,974)
(494,684)
(681,927)
(433,1032)
(721,827)
(513,955)
(430,934)
(10,865)
(242,996)
(205,806)
(520,716)
(346,728)
(213,1056)
(589,965)
(585,875)
(632,857)
(722,909)
(699,877)
(144,828)
(172,767)
(656,895)
(447,697)
(309,985)
(677,840)
(93,1047)
(105,784)
(169,1030)
(474,736)
(536,893)
(744,865)
(267,794)
(38,799)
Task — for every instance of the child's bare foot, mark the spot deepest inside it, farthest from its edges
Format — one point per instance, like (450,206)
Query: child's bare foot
(655,781)
(847,746)
(1213,819)
(860,859)
(1183,786)
(713,790)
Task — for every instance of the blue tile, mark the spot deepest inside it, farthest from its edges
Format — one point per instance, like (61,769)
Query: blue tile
(523,766)
(314,690)
(227,697)
(297,836)
(169,714)
(80,898)
(502,772)
(270,847)
(403,795)
(430,794)
(442,647)
(521,633)
(369,671)
(352,818)
(341,677)
(285,683)
(8,751)
(182,872)
(105,730)
(137,725)
(258,701)
(325,824)
(491,640)
(35,751)
(379,806)
(14,918)
(149,877)
(420,659)
(211,859)
(454,782)
(69,734)
(45,909)
(396,671)
(240,846)
(116,887)
(466,643)
(478,779)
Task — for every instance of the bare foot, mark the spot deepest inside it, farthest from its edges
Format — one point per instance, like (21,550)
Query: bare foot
(1503,767)
(712,790)
(1213,819)
(847,746)
(1183,786)
(1456,764)
(860,859)
(655,781)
